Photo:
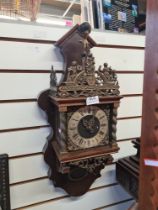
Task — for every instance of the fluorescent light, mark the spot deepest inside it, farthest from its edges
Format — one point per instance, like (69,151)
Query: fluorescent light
(52,22)
(8,17)
(14,18)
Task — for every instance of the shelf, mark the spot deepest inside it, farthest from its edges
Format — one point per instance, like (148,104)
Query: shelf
(62,4)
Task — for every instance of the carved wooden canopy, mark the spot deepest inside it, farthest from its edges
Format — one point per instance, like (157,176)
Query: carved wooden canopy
(81,77)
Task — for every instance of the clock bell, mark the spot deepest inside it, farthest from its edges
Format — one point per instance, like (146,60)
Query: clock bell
(82,111)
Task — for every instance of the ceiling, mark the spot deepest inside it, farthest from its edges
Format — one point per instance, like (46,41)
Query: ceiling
(63,4)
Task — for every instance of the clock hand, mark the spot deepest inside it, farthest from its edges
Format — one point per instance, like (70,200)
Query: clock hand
(90,125)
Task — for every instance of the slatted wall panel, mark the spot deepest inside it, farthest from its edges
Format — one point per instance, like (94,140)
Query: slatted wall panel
(26,56)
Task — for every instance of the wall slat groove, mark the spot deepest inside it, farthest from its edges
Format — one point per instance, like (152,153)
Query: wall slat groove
(25,71)
(132,95)
(52,42)
(60,198)
(43,202)
(38,168)
(105,196)
(115,204)
(41,153)
(124,140)
(10,39)
(35,99)
(25,155)
(36,56)
(129,72)
(127,118)
(128,123)
(23,129)
(67,196)
(18,100)
(21,90)
(120,47)
(28,181)
(48,32)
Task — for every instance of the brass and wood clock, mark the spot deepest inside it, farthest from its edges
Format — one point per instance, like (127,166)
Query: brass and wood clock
(82,111)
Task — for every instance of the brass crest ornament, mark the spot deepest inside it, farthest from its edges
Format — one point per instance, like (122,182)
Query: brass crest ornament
(82,79)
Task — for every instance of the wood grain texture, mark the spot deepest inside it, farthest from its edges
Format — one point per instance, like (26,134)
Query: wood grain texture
(148,189)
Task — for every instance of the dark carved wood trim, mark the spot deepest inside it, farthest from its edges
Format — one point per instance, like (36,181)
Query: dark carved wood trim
(4,183)
(148,181)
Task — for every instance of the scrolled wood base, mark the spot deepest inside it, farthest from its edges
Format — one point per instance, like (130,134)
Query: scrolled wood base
(75,180)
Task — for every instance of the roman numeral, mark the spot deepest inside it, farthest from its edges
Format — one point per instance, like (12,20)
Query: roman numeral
(101,117)
(73,128)
(81,141)
(75,136)
(75,119)
(101,133)
(103,124)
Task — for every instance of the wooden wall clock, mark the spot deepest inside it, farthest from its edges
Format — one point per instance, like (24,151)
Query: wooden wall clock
(82,112)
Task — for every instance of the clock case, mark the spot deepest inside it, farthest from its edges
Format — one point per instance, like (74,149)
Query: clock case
(73,168)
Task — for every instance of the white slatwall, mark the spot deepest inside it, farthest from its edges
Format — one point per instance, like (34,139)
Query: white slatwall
(40,168)
(23,125)
(21,84)
(92,199)
(122,206)
(48,33)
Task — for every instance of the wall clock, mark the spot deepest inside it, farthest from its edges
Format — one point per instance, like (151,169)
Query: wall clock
(82,111)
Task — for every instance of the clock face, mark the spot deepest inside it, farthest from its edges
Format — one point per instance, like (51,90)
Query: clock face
(87,127)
